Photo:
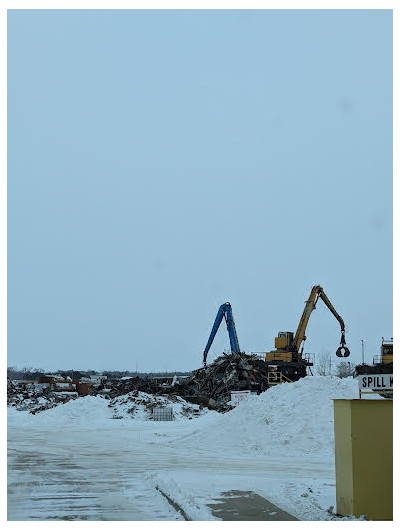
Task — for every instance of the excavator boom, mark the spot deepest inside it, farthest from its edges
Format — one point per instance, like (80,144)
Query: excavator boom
(225,310)
(300,336)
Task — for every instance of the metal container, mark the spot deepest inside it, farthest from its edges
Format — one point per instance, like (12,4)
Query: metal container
(84,388)
(163,413)
(364,458)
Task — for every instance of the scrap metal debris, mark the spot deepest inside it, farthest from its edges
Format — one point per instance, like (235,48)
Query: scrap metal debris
(127,385)
(209,386)
(139,405)
(213,384)
(34,397)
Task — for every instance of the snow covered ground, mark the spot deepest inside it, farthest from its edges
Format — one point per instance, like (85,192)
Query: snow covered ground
(85,460)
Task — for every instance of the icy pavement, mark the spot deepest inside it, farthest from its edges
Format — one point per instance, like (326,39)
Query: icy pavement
(112,474)
(83,474)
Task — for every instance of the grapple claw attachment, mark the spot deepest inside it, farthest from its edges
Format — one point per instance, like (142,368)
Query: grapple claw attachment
(342,352)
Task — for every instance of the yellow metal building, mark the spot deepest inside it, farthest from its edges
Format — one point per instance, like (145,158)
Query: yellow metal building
(364,458)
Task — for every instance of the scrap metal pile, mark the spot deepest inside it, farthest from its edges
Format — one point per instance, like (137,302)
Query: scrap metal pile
(33,397)
(212,385)
(136,383)
(138,404)
(378,368)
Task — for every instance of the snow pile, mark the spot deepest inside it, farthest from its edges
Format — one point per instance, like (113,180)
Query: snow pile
(84,411)
(186,499)
(94,411)
(289,419)
(139,405)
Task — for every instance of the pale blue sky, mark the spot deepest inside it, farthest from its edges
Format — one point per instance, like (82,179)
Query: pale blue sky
(161,163)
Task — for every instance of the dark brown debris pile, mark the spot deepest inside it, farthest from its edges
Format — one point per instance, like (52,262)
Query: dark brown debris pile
(212,385)
(122,387)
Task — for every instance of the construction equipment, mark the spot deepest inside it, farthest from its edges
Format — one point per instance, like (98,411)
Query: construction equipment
(289,350)
(381,363)
(386,355)
(225,311)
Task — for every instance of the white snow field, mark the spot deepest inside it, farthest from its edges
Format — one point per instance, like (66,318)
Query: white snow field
(78,461)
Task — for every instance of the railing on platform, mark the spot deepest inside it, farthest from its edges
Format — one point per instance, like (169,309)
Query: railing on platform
(276,377)
(382,358)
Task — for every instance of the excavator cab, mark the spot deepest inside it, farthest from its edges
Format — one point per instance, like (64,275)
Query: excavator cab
(387,351)
(283,349)
(283,340)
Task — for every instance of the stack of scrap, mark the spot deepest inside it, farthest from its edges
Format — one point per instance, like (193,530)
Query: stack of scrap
(378,368)
(213,384)
(210,386)
(137,404)
(18,392)
(124,386)
(33,397)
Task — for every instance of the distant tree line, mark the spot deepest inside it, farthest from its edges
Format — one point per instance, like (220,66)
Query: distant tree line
(325,367)
(30,373)
(27,373)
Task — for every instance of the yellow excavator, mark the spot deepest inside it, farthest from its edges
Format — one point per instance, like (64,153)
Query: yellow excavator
(288,354)
(386,355)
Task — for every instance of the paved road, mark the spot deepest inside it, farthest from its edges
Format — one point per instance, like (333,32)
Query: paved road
(84,473)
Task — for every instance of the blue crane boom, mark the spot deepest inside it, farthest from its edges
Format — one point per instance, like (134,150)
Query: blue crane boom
(225,310)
